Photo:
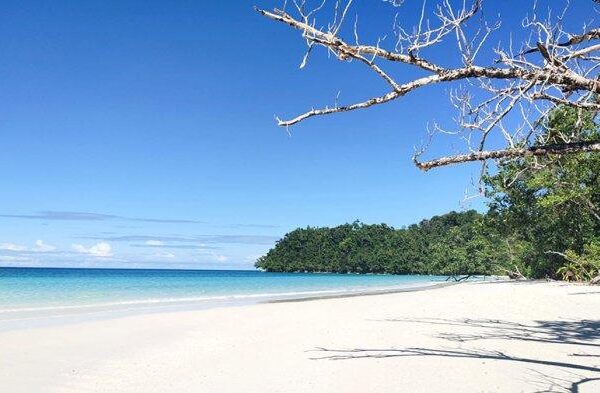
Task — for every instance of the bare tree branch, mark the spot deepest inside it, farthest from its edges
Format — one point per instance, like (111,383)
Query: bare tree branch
(511,98)
(545,150)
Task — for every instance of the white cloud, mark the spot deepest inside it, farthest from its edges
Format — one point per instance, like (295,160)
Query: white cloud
(9,258)
(12,247)
(40,246)
(219,257)
(101,250)
(166,255)
(154,243)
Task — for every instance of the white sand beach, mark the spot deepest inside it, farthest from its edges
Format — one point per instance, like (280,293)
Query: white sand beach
(471,337)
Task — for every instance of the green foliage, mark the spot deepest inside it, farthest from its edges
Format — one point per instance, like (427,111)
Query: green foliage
(548,206)
(452,244)
(582,267)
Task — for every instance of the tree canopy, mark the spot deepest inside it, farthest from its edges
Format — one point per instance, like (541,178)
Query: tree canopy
(549,206)
(451,244)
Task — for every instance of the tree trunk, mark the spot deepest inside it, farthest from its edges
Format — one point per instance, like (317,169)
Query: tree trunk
(514,275)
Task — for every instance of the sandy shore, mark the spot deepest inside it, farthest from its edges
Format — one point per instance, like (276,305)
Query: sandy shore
(472,337)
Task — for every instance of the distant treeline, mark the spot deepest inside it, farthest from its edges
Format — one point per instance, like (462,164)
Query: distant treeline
(452,244)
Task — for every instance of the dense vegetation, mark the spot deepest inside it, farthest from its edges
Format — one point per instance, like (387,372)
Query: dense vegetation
(454,243)
(547,209)
(543,220)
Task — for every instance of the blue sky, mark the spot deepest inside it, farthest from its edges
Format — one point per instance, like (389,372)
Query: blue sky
(142,134)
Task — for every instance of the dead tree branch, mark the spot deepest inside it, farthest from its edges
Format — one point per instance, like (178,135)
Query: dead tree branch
(556,149)
(553,68)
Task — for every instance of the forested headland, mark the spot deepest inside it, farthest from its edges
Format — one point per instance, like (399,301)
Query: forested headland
(454,243)
(543,221)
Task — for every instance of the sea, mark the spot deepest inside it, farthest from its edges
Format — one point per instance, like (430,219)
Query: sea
(32,293)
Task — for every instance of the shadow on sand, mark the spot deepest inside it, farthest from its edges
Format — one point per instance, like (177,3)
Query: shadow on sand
(582,333)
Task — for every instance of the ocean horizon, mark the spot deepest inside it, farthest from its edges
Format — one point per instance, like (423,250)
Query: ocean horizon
(32,292)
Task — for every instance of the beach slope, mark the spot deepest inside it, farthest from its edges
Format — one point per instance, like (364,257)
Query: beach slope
(471,337)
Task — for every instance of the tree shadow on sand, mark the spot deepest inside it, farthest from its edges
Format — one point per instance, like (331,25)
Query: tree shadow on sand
(584,333)
(377,353)
(572,383)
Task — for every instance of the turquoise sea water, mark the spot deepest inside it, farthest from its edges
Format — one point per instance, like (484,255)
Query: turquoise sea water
(33,292)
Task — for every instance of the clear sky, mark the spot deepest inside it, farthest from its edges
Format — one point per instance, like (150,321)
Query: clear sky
(142,134)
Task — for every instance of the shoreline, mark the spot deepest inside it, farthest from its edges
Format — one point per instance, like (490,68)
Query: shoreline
(373,292)
(478,336)
(54,316)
